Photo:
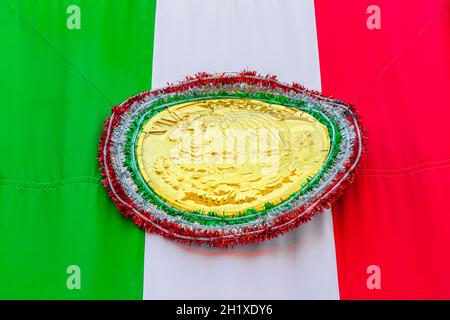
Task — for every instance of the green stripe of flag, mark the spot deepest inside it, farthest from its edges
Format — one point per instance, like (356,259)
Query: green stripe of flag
(57,86)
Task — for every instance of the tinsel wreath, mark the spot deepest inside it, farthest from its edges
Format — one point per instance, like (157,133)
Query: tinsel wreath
(137,199)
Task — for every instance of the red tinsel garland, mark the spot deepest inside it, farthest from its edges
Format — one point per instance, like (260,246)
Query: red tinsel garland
(280,225)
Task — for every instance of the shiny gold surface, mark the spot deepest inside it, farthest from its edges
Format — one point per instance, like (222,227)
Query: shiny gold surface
(230,155)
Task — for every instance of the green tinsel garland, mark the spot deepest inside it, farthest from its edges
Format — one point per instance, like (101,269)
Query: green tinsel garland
(213,218)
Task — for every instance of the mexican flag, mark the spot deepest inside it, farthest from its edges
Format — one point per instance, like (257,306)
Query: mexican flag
(65,63)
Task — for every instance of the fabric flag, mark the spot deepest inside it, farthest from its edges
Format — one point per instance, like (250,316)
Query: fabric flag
(64,64)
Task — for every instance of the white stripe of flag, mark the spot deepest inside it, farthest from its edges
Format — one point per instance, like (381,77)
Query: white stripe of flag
(269,36)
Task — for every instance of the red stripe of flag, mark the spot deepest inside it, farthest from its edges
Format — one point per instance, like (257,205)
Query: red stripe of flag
(397,213)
